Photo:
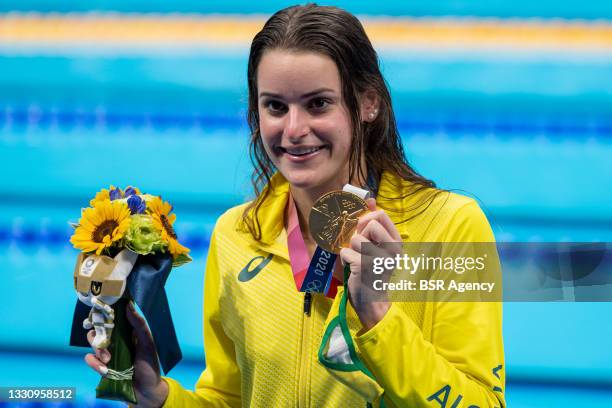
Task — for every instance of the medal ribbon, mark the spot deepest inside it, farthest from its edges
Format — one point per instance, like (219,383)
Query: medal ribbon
(310,275)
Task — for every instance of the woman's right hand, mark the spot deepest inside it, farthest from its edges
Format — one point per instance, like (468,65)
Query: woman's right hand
(151,390)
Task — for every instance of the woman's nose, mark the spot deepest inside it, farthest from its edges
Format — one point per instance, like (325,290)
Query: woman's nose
(296,125)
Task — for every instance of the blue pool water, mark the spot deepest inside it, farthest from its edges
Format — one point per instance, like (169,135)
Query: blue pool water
(528,135)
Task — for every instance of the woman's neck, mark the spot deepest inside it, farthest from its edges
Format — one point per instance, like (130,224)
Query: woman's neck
(304,200)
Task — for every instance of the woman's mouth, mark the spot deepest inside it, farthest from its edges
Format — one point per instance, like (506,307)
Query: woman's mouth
(301,153)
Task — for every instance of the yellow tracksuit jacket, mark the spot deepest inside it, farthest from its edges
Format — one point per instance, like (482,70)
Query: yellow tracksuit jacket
(262,349)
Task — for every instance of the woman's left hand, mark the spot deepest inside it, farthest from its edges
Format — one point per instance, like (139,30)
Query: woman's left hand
(374,227)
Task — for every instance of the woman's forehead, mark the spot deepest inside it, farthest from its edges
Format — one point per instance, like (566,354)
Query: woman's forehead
(293,73)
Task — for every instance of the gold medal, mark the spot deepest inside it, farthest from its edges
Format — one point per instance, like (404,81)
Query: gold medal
(333,219)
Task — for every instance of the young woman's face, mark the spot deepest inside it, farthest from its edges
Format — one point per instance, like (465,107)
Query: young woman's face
(305,126)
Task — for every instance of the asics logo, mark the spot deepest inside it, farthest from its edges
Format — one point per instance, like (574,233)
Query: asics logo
(246,274)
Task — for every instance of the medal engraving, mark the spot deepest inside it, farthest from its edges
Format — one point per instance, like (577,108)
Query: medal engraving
(333,219)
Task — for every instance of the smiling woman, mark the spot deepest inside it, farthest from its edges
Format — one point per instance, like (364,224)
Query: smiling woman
(311,93)
(320,116)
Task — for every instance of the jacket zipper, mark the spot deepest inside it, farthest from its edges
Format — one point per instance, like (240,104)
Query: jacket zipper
(307,303)
(304,368)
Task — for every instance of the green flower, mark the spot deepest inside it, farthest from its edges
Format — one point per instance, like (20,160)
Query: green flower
(142,237)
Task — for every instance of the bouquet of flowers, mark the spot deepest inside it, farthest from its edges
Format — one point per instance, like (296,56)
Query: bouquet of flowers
(129,247)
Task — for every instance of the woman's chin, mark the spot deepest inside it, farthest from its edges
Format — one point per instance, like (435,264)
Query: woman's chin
(302,183)
(314,183)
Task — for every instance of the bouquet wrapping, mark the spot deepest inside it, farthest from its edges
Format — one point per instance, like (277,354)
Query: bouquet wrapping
(128,248)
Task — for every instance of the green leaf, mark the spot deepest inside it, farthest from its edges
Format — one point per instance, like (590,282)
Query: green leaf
(181,259)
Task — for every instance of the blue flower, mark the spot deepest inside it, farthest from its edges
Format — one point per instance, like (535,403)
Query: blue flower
(136,204)
(115,194)
(130,191)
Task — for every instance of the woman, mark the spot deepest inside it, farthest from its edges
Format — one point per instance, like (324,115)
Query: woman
(321,116)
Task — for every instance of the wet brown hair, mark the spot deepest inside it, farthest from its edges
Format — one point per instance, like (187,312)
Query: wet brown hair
(339,35)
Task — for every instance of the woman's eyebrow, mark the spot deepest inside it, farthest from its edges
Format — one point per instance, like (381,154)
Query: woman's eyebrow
(304,96)
(316,92)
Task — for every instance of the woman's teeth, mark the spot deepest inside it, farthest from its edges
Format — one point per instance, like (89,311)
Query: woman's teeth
(301,151)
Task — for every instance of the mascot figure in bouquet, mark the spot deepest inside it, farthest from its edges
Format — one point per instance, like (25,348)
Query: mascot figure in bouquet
(100,282)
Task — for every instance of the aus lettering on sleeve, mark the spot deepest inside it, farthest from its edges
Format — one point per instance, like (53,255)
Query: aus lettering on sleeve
(442,397)
(496,371)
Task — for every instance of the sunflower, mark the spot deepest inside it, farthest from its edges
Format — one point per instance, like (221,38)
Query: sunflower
(101,195)
(101,225)
(163,221)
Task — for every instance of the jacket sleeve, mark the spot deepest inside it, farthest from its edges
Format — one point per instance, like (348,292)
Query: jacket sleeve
(219,384)
(462,365)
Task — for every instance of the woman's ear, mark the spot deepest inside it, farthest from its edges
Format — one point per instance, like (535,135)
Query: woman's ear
(370,105)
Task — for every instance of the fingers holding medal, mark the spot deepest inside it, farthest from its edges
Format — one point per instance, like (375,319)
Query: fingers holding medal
(375,236)
(343,223)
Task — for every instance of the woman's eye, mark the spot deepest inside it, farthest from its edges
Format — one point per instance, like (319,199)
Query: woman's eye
(275,106)
(319,103)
